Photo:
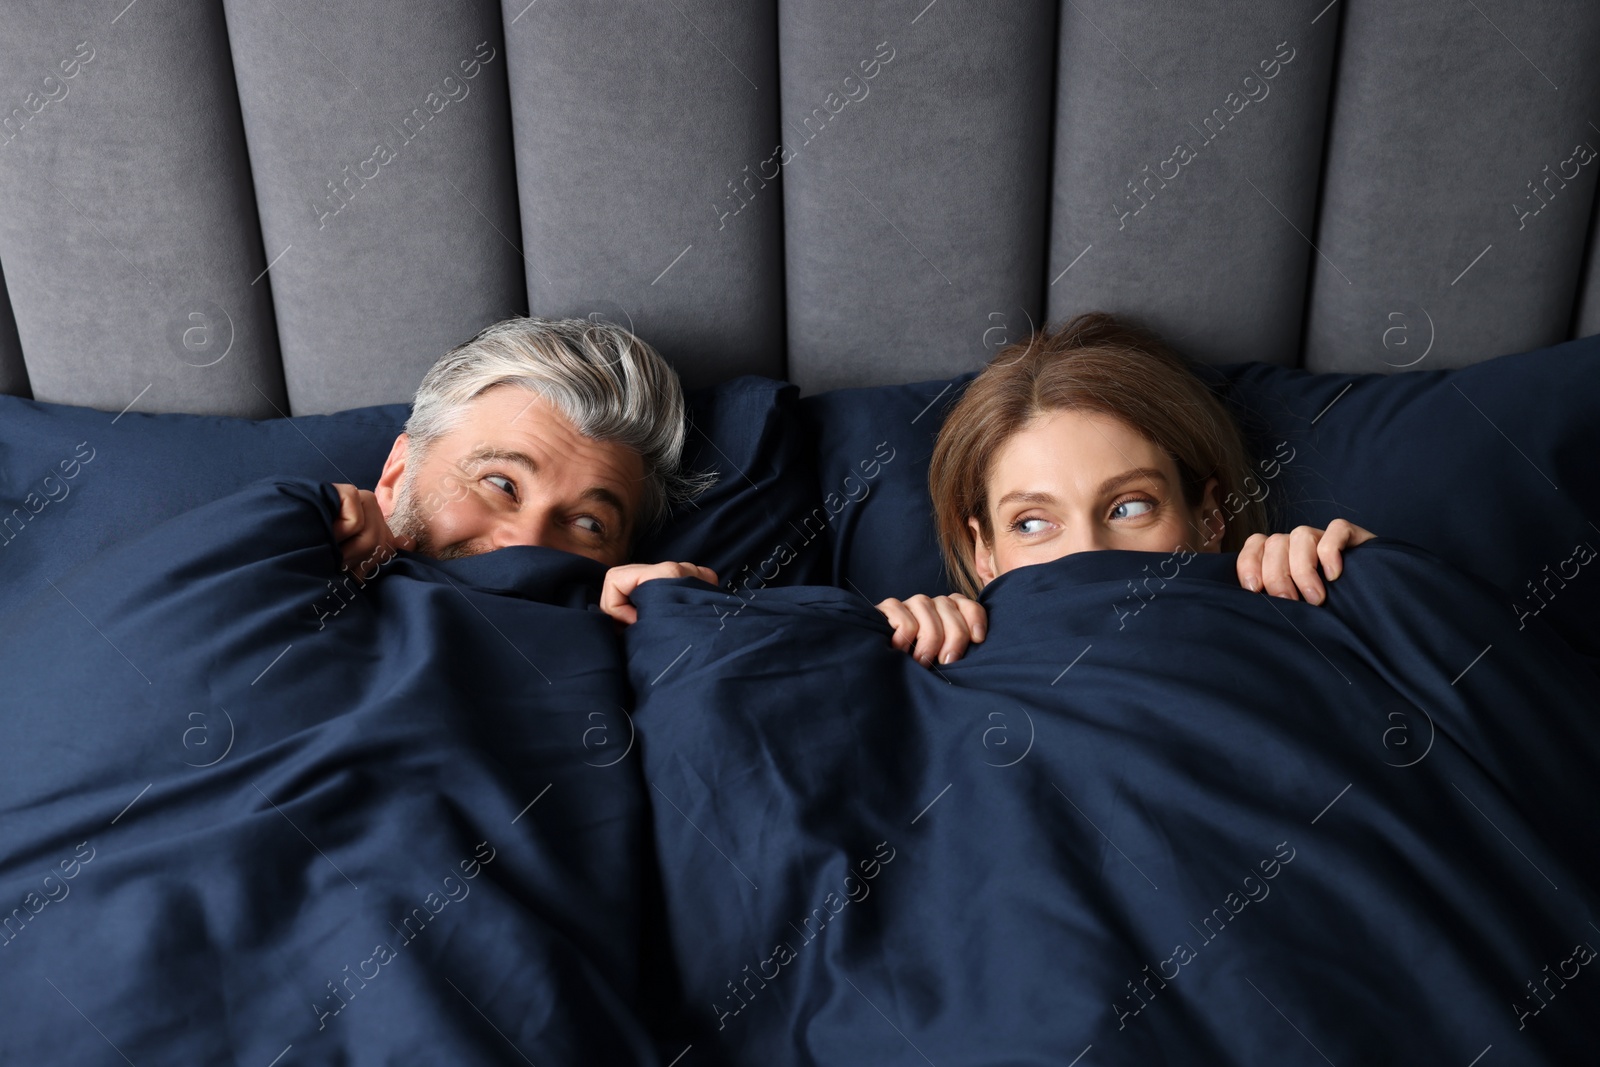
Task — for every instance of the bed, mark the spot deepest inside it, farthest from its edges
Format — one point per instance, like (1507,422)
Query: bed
(252,812)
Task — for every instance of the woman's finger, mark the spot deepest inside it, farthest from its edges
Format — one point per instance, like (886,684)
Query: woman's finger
(902,622)
(1249,565)
(930,630)
(956,632)
(1275,576)
(1303,545)
(1341,536)
(976,618)
(1331,547)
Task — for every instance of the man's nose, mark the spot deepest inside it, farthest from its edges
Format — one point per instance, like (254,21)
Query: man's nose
(535,528)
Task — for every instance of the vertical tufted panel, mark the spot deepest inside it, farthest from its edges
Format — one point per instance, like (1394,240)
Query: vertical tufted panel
(1586,313)
(380,141)
(129,236)
(1436,205)
(633,123)
(914,200)
(13,375)
(1188,149)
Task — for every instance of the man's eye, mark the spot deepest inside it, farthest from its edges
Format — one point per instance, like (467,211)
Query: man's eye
(1132,509)
(509,487)
(590,523)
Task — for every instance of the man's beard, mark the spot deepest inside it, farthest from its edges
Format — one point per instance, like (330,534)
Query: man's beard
(405,521)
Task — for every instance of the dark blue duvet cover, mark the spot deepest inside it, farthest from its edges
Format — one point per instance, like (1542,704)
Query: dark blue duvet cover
(252,812)
(1154,818)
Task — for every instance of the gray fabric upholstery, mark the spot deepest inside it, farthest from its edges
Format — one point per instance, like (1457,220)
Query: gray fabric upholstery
(1188,139)
(385,183)
(724,176)
(1413,195)
(129,238)
(631,123)
(917,212)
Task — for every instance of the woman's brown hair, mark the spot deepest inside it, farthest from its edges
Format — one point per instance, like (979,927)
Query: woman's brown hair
(1097,363)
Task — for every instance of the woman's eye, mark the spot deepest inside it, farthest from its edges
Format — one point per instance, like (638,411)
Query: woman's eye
(508,487)
(1029,527)
(590,523)
(1132,509)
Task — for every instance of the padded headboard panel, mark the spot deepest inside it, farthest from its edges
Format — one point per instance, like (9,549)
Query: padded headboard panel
(237,207)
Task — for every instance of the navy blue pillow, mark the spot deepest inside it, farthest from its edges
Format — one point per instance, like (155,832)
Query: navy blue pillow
(74,480)
(1494,468)
(747,526)
(882,543)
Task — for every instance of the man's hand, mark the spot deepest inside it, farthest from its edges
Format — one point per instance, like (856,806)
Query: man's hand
(1286,564)
(364,538)
(941,626)
(622,581)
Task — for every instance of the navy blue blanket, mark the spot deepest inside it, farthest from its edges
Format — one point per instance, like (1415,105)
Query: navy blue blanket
(1153,819)
(249,813)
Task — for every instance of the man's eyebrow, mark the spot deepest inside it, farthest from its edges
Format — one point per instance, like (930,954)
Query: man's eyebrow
(490,454)
(1109,485)
(601,495)
(597,493)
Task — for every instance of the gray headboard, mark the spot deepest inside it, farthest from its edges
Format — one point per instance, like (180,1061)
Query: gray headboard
(255,206)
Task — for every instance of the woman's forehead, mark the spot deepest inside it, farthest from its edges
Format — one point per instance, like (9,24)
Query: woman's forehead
(1073,447)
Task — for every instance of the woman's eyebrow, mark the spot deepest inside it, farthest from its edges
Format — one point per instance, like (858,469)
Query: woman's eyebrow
(1108,486)
(1022,497)
(1112,484)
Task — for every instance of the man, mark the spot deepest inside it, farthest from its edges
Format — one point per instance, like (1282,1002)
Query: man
(560,433)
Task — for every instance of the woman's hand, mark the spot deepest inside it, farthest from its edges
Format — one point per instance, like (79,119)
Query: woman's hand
(622,581)
(1285,565)
(941,626)
(364,538)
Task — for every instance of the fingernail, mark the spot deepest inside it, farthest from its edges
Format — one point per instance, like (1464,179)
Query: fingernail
(945,659)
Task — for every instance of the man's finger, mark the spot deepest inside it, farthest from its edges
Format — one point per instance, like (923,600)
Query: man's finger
(619,583)
(348,522)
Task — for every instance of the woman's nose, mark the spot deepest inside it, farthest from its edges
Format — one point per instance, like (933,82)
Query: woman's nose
(1086,537)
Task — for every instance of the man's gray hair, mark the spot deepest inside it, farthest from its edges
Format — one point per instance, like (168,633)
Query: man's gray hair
(611,385)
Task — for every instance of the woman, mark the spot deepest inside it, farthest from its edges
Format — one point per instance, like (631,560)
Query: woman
(1096,436)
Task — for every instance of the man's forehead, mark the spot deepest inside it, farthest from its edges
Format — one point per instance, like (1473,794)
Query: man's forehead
(510,419)
(513,424)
